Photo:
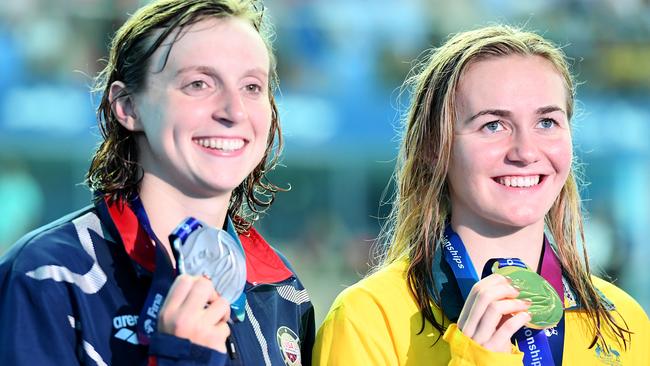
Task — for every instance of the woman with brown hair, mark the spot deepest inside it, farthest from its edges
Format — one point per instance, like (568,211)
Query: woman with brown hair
(165,267)
(482,264)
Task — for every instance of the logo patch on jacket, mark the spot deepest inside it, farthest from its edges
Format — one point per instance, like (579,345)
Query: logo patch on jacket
(289,346)
(125,328)
(611,357)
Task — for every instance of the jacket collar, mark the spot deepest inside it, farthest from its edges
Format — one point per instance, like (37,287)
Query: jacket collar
(263,264)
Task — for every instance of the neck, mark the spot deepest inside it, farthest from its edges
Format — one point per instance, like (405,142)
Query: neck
(166,207)
(502,242)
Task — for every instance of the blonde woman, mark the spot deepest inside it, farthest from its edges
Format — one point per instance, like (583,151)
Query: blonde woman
(486,200)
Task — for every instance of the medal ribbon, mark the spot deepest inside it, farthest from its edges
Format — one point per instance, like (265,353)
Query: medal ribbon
(163,276)
(538,348)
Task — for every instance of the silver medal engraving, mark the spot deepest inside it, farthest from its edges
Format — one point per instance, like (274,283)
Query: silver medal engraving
(214,252)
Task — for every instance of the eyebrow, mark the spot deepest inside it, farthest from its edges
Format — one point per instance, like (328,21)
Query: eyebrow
(506,113)
(212,71)
(200,68)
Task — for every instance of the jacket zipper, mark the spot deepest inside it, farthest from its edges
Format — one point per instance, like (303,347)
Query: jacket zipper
(232,350)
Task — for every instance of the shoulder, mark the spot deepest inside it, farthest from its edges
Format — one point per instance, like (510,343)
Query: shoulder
(376,322)
(384,286)
(629,314)
(55,243)
(58,251)
(621,300)
(382,295)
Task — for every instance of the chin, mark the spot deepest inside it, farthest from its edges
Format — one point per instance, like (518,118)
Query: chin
(223,182)
(219,189)
(210,189)
(521,221)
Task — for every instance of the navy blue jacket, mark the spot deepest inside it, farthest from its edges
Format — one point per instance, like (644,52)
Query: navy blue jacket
(71,293)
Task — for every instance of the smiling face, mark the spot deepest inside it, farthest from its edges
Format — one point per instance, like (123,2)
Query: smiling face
(205,115)
(511,150)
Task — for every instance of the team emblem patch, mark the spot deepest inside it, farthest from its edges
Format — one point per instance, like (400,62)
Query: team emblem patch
(609,356)
(289,346)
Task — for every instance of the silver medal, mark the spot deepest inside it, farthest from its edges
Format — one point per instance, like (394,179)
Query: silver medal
(213,252)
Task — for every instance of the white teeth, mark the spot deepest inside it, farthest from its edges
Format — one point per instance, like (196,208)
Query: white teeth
(521,182)
(221,144)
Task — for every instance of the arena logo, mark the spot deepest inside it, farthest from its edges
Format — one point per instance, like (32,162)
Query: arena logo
(124,324)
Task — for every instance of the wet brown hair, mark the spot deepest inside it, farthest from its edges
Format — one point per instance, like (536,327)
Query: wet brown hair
(114,169)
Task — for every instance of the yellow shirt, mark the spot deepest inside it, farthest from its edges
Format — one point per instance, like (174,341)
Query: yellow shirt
(377,322)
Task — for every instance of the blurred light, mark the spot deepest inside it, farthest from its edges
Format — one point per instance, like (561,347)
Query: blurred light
(307,120)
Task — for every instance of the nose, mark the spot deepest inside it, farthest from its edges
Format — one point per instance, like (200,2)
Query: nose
(230,107)
(524,148)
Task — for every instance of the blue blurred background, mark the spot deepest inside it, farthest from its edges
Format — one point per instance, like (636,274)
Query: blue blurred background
(341,64)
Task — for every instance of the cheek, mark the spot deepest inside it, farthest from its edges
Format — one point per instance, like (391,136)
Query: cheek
(261,117)
(191,114)
(170,121)
(561,155)
(464,166)
(475,158)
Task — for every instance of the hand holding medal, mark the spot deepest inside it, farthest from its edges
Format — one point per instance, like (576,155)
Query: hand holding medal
(212,276)
(492,313)
(546,307)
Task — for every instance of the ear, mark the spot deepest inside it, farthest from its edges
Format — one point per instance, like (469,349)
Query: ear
(123,106)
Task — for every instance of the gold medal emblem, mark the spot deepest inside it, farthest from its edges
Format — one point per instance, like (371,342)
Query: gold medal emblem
(546,308)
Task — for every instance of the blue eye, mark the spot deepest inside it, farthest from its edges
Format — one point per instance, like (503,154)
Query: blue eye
(547,123)
(494,126)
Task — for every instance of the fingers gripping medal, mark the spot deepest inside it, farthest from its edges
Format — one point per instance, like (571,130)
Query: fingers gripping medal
(546,308)
(204,250)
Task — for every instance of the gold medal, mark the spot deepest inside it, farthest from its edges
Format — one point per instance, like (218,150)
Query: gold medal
(546,308)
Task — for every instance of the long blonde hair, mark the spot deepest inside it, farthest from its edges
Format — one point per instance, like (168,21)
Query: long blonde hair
(421,203)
